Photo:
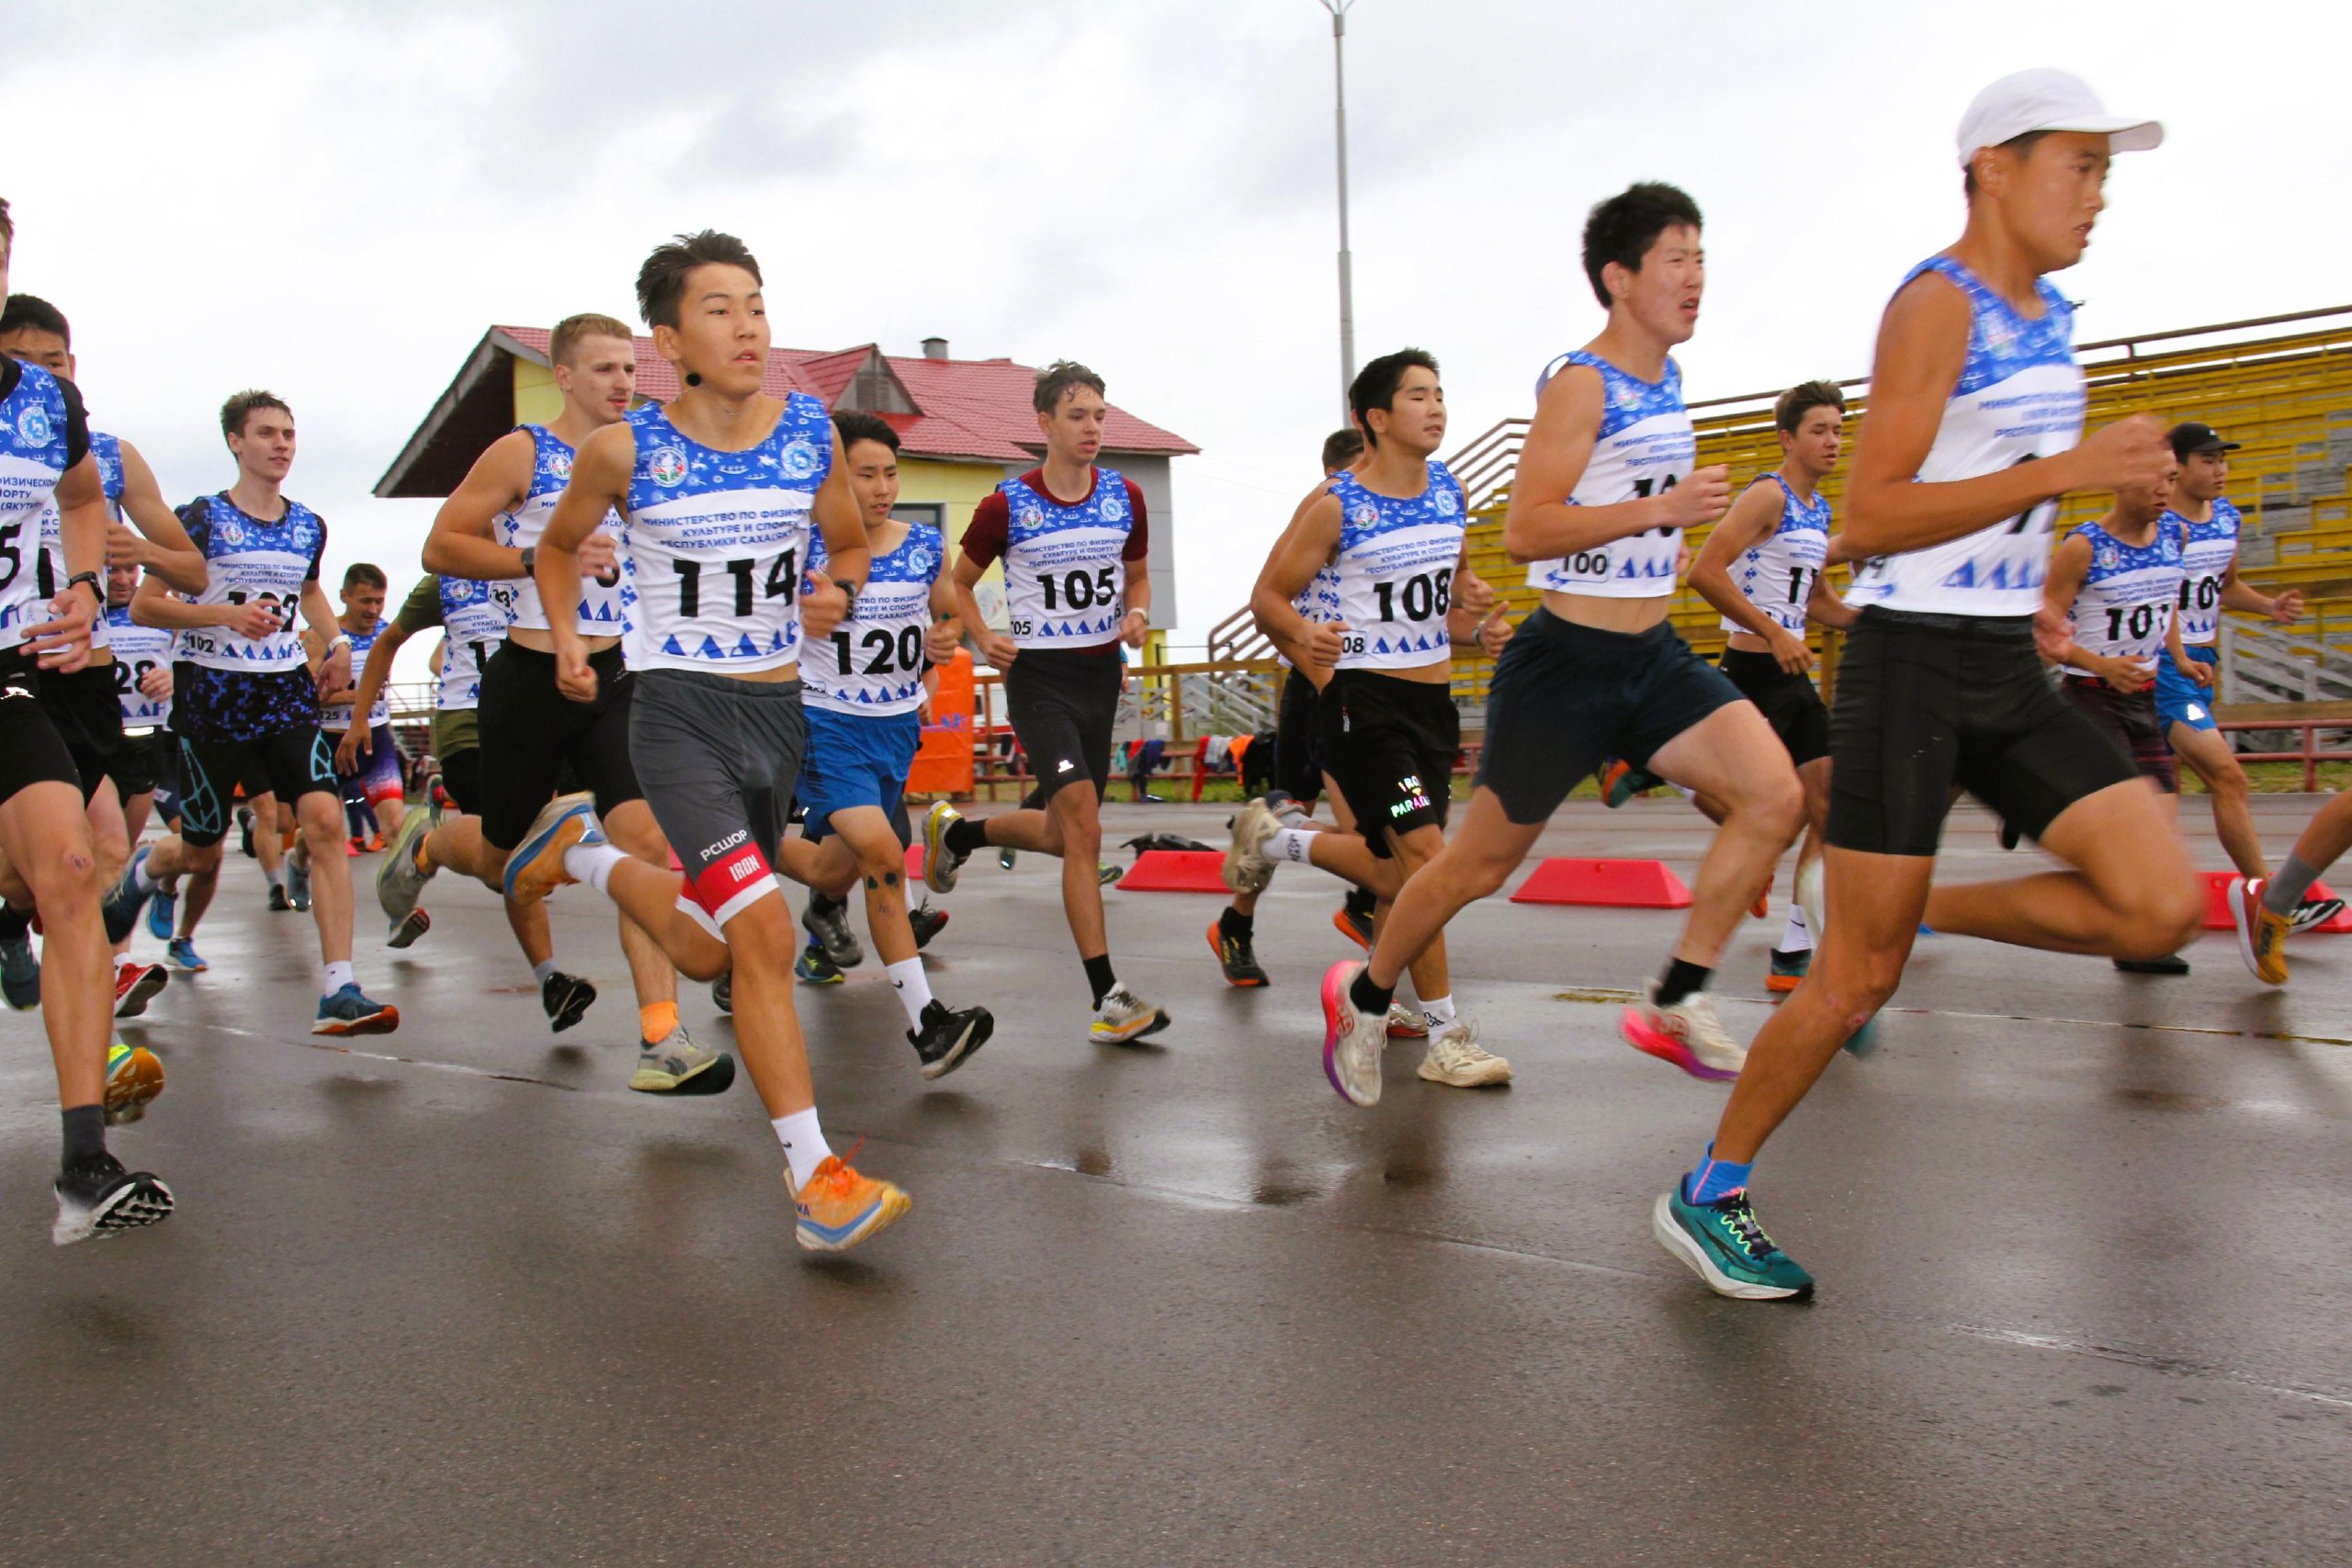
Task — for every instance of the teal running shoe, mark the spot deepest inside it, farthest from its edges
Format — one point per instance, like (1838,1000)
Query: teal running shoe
(162,912)
(124,900)
(813,968)
(1787,971)
(352,1011)
(1620,781)
(182,955)
(1722,1243)
(1864,1041)
(19,974)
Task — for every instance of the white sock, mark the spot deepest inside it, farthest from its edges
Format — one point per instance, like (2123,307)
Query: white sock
(1798,937)
(804,1143)
(540,972)
(1288,843)
(277,875)
(914,987)
(332,977)
(1685,794)
(139,877)
(593,864)
(1439,1010)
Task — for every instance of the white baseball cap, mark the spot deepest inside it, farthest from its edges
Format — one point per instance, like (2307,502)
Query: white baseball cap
(2048,100)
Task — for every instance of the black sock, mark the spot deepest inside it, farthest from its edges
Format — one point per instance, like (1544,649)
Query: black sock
(1370,1001)
(966,834)
(14,924)
(1361,903)
(1680,979)
(85,1134)
(1234,926)
(820,901)
(1099,976)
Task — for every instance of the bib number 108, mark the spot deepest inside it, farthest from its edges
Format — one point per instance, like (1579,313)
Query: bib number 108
(1422,597)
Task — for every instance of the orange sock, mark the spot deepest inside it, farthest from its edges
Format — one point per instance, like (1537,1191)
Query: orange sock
(286,841)
(656,1021)
(424,853)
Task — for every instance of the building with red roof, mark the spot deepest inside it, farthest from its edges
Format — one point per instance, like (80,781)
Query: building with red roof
(965,426)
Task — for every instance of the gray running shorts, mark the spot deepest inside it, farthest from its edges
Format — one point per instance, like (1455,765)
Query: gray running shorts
(718,759)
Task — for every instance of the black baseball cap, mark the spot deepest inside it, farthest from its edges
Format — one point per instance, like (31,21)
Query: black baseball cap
(2191,436)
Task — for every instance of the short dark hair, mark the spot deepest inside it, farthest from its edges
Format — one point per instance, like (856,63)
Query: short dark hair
(30,311)
(1802,399)
(2021,145)
(1059,380)
(856,427)
(1623,228)
(240,408)
(568,332)
(361,571)
(1343,448)
(661,281)
(7,224)
(1375,385)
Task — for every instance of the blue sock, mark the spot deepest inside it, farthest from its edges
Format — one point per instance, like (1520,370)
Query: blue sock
(1711,1177)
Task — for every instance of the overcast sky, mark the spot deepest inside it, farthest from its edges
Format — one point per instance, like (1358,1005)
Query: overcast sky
(334,200)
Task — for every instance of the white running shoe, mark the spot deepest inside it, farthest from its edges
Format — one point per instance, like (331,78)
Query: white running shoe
(1455,1057)
(1123,1016)
(1687,1035)
(1407,1022)
(1246,869)
(940,864)
(1352,1041)
(1810,898)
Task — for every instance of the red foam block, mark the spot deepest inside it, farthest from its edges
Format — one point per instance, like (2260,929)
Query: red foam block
(2217,903)
(914,861)
(1618,883)
(1176,871)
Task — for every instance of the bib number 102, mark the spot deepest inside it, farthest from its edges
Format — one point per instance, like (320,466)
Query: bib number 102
(1422,597)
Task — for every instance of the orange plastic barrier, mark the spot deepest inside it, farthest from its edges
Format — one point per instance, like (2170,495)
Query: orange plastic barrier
(943,761)
(1620,884)
(1176,871)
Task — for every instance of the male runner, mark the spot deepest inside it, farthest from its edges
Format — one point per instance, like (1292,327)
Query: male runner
(1077,584)
(862,688)
(375,774)
(46,858)
(1298,776)
(1975,434)
(1604,489)
(472,618)
(141,762)
(718,490)
(2185,680)
(2115,583)
(141,531)
(1761,568)
(1391,530)
(243,695)
(532,728)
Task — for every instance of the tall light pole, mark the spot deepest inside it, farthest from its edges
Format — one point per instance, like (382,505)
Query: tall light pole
(1338,9)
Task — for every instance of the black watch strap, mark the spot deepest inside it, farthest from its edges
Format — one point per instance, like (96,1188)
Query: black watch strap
(98,588)
(530,558)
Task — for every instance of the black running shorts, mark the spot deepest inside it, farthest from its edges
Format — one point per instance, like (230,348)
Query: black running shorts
(32,751)
(719,758)
(292,762)
(2132,720)
(1566,696)
(1064,705)
(1788,702)
(530,730)
(141,763)
(461,780)
(1298,767)
(1389,745)
(87,712)
(1926,703)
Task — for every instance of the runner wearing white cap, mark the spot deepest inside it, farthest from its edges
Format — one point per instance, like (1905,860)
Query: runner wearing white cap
(1975,434)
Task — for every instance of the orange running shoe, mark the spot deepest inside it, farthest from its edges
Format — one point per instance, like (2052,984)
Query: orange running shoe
(842,1208)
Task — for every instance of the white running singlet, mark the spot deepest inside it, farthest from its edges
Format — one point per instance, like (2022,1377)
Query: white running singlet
(1065,566)
(2020,398)
(32,459)
(2206,553)
(473,622)
(139,651)
(874,663)
(248,561)
(604,606)
(1395,572)
(1645,447)
(2124,608)
(1778,575)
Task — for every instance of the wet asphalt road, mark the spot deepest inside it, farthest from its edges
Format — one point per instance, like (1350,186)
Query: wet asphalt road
(456,1296)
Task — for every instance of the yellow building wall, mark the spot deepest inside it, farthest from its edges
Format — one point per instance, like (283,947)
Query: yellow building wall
(536,401)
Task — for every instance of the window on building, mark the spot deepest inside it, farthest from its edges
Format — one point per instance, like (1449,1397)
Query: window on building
(932,511)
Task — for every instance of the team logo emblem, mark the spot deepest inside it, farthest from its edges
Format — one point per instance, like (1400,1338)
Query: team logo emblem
(1365,515)
(1444,502)
(1030,514)
(33,425)
(1113,509)
(667,469)
(800,460)
(2107,558)
(560,465)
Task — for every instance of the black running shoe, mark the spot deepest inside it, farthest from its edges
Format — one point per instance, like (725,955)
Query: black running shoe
(1235,956)
(565,997)
(99,1197)
(20,974)
(722,993)
(246,830)
(946,1038)
(2314,912)
(2171,964)
(2009,834)
(278,902)
(927,921)
(828,924)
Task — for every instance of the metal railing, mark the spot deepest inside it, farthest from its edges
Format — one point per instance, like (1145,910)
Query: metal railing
(2262,664)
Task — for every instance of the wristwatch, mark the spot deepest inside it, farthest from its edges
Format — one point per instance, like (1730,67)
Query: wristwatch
(849,610)
(530,559)
(98,588)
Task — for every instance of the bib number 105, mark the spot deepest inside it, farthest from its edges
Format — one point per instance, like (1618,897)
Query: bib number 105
(1079,590)
(1421,598)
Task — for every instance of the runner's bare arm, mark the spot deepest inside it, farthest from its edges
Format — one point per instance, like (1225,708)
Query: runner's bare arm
(154,540)
(62,641)
(599,483)
(460,542)
(946,634)
(1304,548)
(849,559)
(996,649)
(1749,524)
(358,739)
(1922,348)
